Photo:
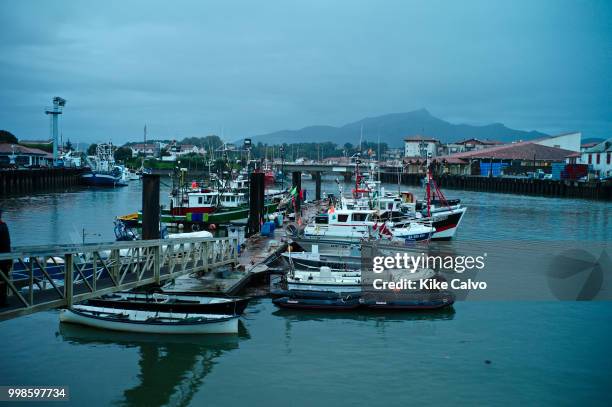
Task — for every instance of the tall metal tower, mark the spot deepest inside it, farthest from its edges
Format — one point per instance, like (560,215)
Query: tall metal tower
(56,110)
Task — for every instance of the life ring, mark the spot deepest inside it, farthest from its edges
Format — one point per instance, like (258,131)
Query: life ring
(195,227)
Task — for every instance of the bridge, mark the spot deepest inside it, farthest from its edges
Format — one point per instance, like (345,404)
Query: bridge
(47,277)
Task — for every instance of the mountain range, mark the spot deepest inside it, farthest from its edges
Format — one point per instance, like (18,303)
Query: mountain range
(393,128)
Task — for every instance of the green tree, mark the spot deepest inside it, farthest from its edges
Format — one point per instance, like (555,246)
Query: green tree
(123,154)
(68,146)
(91,150)
(7,137)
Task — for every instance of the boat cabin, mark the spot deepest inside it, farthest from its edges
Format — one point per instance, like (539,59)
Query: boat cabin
(232,199)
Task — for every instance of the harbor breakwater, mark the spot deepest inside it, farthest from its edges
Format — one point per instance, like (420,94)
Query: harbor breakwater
(522,186)
(13,182)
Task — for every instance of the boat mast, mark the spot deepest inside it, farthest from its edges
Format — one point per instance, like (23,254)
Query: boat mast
(144,148)
(428,188)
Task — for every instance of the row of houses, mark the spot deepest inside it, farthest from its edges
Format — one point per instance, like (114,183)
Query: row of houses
(165,151)
(419,146)
(480,157)
(598,156)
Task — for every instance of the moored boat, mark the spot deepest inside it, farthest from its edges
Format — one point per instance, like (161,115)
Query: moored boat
(335,304)
(314,259)
(149,321)
(182,302)
(408,301)
(354,225)
(324,280)
(103,171)
(279,293)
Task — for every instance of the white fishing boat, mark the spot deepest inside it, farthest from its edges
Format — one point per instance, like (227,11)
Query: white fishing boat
(354,225)
(151,322)
(443,214)
(314,259)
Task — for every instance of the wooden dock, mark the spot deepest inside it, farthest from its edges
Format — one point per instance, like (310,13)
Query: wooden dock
(38,179)
(512,185)
(253,262)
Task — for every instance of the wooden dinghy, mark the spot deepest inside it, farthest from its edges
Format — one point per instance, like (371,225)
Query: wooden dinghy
(181,302)
(149,321)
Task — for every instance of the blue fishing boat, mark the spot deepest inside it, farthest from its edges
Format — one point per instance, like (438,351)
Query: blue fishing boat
(103,171)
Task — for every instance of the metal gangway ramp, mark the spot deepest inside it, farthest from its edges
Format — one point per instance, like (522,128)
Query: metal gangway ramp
(47,277)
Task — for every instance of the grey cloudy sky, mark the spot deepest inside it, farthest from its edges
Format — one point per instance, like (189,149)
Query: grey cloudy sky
(192,68)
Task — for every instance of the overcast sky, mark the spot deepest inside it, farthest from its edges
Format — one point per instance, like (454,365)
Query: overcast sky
(241,68)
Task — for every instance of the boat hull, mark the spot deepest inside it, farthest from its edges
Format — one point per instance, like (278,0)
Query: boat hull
(307,294)
(418,301)
(221,216)
(101,180)
(222,326)
(313,263)
(338,304)
(234,306)
(447,223)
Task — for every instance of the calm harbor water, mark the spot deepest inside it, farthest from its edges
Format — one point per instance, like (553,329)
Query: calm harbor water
(541,352)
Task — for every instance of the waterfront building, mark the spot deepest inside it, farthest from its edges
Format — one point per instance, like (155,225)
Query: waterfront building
(148,150)
(516,159)
(471,144)
(419,146)
(17,155)
(598,158)
(566,141)
(393,154)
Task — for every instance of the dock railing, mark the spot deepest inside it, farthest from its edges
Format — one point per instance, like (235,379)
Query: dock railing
(46,277)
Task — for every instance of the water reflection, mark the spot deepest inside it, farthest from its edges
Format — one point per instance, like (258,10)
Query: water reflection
(379,317)
(172,368)
(378,322)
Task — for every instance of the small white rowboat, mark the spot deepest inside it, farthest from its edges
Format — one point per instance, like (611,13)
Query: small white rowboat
(149,321)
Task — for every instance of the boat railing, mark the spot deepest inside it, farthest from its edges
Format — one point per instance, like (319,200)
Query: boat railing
(46,277)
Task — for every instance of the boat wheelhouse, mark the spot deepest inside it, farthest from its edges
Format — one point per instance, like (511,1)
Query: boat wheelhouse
(359,224)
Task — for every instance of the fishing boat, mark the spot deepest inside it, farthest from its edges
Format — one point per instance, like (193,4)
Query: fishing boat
(152,322)
(196,205)
(315,259)
(269,174)
(131,175)
(443,214)
(213,209)
(181,302)
(355,225)
(102,169)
